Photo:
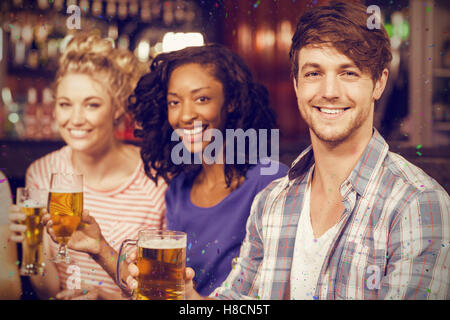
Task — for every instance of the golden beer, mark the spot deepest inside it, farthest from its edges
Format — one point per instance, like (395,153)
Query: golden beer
(65,209)
(33,235)
(31,247)
(161,265)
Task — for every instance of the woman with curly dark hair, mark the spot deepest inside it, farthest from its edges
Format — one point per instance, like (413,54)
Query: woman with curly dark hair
(187,95)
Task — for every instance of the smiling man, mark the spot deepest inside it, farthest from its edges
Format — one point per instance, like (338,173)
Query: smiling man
(351,220)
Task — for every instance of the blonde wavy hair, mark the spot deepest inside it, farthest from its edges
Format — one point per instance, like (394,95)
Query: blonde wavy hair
(88,53)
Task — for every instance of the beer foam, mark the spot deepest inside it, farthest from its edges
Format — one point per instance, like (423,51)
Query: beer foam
(66,191)
(162,244)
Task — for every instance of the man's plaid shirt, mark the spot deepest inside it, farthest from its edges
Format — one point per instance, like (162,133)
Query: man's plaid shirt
(394,242)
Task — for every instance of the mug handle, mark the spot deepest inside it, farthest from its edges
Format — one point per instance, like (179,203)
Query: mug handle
(124,244)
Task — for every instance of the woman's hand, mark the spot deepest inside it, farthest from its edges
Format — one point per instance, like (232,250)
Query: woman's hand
(87,238)
(16,217)
(133,271)
(92,293)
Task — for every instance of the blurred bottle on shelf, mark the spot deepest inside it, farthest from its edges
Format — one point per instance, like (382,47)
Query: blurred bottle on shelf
(19,53)
(18,3)
(43,4)
(46,119)
(15,30)
(84,5)
(145,12)
(58,4)
(190,13)
(97,8)
(168,13)
(133,8)
(12,123)
(113,32)
(3,119)
(179,11)
(111,9)
(446,54)
(122,10)
(5,100)
(33,56)
(156,9)
(32,115)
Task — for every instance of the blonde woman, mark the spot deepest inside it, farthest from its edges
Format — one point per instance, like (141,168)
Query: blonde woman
(92,86)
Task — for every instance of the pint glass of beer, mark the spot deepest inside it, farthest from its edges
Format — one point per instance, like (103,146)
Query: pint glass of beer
(65,205)
(161,260)
(31,202)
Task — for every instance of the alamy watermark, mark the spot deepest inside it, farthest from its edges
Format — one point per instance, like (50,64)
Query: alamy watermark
(235,140)
(374,21)
(74,21)
(74,280)
(374,280)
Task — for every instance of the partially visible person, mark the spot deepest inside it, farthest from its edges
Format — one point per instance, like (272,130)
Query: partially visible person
(92,86)
(10,286)
(189,95)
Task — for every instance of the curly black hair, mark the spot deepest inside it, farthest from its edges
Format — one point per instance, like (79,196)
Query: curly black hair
(249,102)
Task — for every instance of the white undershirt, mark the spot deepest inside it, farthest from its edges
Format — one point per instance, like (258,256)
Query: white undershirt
(309,253)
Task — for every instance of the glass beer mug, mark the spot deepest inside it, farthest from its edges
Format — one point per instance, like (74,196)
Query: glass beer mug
(161,260)
(65,205)
(31,202)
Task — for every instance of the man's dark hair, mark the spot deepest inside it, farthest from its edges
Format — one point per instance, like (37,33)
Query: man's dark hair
(344,26)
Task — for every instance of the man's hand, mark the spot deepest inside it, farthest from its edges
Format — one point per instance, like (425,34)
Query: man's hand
(191,294)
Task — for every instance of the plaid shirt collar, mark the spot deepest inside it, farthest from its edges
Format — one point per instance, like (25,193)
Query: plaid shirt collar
(366,168)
